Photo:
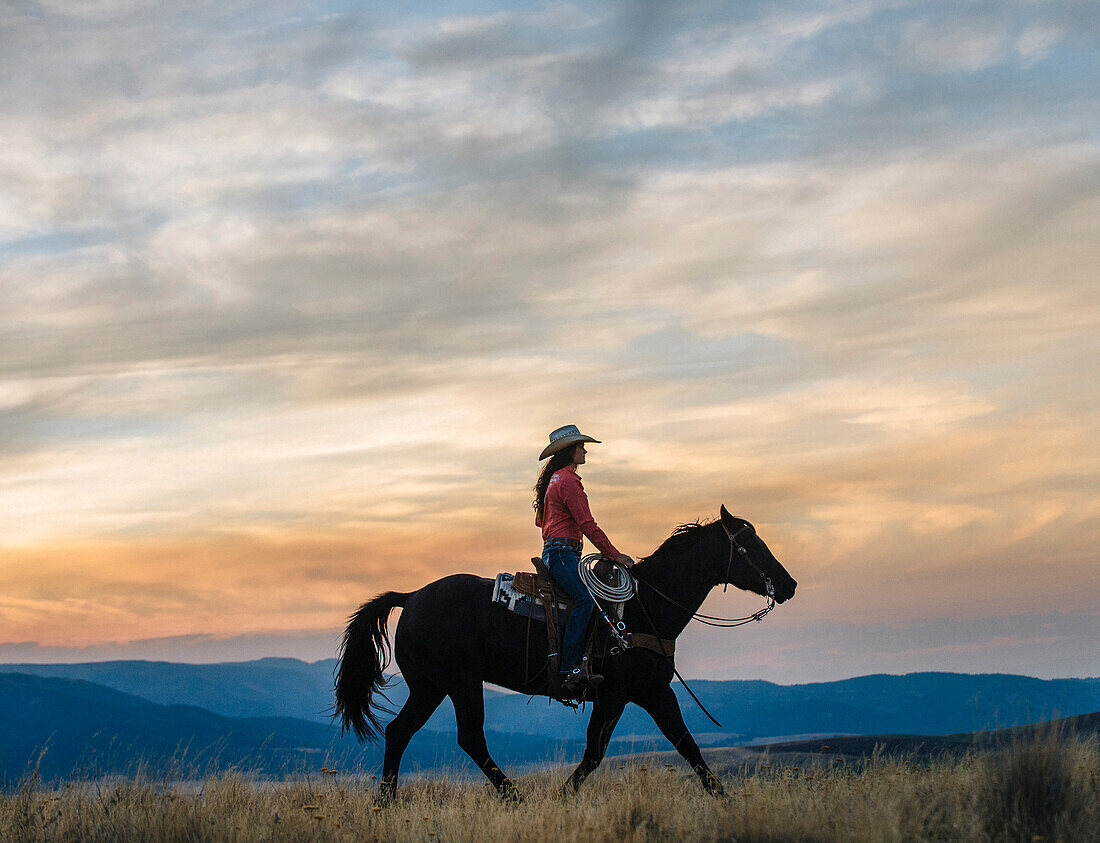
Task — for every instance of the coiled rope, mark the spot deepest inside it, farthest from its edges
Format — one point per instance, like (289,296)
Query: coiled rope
(616,594)
(623,589)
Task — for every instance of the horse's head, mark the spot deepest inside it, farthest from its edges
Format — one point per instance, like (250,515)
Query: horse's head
(751,561)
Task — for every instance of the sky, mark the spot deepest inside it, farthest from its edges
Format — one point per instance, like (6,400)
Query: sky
(291,295)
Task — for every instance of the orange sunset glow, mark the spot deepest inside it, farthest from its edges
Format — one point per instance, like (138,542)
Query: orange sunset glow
(287,312)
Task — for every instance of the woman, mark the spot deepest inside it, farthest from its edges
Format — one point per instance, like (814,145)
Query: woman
(561,509)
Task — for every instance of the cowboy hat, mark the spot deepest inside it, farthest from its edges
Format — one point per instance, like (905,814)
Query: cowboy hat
(563,437)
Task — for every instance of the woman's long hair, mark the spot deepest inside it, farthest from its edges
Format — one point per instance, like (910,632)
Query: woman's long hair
(560,460)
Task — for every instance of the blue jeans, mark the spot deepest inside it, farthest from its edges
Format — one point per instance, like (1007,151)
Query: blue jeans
(563,562)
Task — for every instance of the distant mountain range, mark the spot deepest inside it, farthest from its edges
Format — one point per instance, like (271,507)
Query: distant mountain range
(74,729)
(262,688)
(269,717)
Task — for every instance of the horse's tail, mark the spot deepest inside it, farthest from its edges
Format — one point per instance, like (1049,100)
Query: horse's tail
(364,654)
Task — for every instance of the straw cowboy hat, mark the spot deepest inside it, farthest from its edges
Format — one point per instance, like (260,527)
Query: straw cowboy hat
(563,437)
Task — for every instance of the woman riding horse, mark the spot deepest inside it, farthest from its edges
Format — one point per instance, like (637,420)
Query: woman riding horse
(452,637)
(562,511)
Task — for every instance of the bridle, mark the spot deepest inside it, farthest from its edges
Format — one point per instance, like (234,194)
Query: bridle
(728,623)
(744,555)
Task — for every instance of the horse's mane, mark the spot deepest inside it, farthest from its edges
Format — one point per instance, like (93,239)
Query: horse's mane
(683,538)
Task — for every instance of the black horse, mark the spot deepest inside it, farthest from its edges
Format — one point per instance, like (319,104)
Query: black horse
(451,638)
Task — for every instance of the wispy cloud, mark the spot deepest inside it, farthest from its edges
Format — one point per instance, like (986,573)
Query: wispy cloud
(325,278)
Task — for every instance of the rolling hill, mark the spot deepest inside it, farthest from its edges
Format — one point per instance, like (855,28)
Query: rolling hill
(262,688)
(916,703)
(268,717)
(78,729)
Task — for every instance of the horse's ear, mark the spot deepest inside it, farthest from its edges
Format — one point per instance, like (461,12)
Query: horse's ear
(725,516)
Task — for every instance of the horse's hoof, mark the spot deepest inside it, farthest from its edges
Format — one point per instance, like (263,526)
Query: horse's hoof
(571,786)
(509,794)
(387,794)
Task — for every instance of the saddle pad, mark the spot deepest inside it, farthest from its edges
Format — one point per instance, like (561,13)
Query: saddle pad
(506,594)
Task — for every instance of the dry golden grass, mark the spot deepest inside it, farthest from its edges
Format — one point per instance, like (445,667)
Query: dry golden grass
(1048,788)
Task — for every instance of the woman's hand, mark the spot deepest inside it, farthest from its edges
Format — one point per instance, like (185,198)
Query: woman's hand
(624,560)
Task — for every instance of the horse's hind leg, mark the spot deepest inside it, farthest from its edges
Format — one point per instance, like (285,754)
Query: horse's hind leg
(423,700)
(469,703)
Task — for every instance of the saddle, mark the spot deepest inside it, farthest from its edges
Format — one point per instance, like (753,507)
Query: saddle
(542,587)
(556,604)
(533,584)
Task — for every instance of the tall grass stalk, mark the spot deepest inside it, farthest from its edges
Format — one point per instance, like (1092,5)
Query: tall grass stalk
(1045,787)
(978,798)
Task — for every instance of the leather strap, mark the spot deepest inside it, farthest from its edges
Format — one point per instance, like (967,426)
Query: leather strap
(553,640)
(664,646)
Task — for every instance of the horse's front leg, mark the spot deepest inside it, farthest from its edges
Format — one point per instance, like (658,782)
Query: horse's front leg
(664,708)
(605,714)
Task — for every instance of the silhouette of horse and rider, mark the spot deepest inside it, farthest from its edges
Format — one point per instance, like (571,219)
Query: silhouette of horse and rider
(452,637)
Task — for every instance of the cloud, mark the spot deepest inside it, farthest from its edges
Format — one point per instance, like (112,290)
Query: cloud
(967,42)
(331,278)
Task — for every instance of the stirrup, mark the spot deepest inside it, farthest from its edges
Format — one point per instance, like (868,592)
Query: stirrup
(572,682)
(592,679)
(579,679)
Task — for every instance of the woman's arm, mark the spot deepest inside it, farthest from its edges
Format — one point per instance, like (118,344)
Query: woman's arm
(576,501)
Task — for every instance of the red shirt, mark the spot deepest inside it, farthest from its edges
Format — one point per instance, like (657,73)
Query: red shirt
(565,513)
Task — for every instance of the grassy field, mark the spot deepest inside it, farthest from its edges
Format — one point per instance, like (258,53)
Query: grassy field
(1048,788)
